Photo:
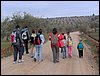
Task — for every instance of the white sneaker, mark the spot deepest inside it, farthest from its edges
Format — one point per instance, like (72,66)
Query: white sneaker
(14,62)
(20,61)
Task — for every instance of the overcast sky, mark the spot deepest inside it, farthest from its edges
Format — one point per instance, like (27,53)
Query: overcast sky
(50,8)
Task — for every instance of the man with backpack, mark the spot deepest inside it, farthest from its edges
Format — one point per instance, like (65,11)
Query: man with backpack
(39,41)
(17,42)
(54,45)
(80,48)
(26,37)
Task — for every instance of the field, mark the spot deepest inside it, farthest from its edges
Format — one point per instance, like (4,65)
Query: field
(94,35)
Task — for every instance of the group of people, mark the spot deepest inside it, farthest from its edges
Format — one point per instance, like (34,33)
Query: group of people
(65,43)
(21,38)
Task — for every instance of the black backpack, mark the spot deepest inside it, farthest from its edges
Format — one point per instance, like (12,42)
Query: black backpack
(38,40)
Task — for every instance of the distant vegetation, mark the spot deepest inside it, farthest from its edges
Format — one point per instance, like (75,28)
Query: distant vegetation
(63,24)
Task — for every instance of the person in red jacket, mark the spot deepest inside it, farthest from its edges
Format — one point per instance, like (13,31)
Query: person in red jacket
(61,37)
(54,45)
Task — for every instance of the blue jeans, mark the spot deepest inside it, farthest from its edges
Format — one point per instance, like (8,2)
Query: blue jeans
(38,53)
(64,51)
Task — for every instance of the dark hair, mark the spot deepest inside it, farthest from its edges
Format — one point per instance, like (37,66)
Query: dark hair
(33,31)
(17,26)
(40,31)
(26,27)
(62,33)
(54,30)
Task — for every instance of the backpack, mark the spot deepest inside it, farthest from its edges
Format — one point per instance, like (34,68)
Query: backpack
(54,39)
(24,35)
(80,46)
(13,37)
(37,40)
(69,43)
(32,38)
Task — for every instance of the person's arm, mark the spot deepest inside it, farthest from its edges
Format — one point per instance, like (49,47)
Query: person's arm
(78,46)
(50,36)
(29,35)
(83,46)
(43,39)
(20,38)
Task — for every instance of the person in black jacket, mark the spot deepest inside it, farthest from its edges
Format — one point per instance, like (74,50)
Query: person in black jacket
(26,37)
(17,45)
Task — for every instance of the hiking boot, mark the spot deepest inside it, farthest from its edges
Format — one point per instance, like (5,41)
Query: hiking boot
(40,60)
(34,59)
(20,61)
(57,60)
(32,56)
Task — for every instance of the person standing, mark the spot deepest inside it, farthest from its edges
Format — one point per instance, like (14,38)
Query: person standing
(61,44)
(33,35)
(26,37)
(39,41)
(80,48)
(69,46)
(17,43)
(54,45)
(64,48)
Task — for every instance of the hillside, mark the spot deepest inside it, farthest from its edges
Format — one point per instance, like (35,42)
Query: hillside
(63,24)
(74,22)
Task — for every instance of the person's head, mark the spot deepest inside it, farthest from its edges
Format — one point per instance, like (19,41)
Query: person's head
(62,33)
(69,37)
(26,27)
(17,27)
(68,33)
(80,40)
(33,31)
(40,31)
(54,31)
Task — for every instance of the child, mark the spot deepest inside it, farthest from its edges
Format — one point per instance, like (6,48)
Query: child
(64,48)
(69,46)
(80,48)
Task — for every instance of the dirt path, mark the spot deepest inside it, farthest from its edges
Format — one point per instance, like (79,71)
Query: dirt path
(68,66)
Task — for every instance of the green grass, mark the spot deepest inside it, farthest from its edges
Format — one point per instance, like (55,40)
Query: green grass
(6,49)
(94,35)
(5,44)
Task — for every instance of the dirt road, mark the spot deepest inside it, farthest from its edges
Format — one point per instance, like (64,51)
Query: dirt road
(68,66)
